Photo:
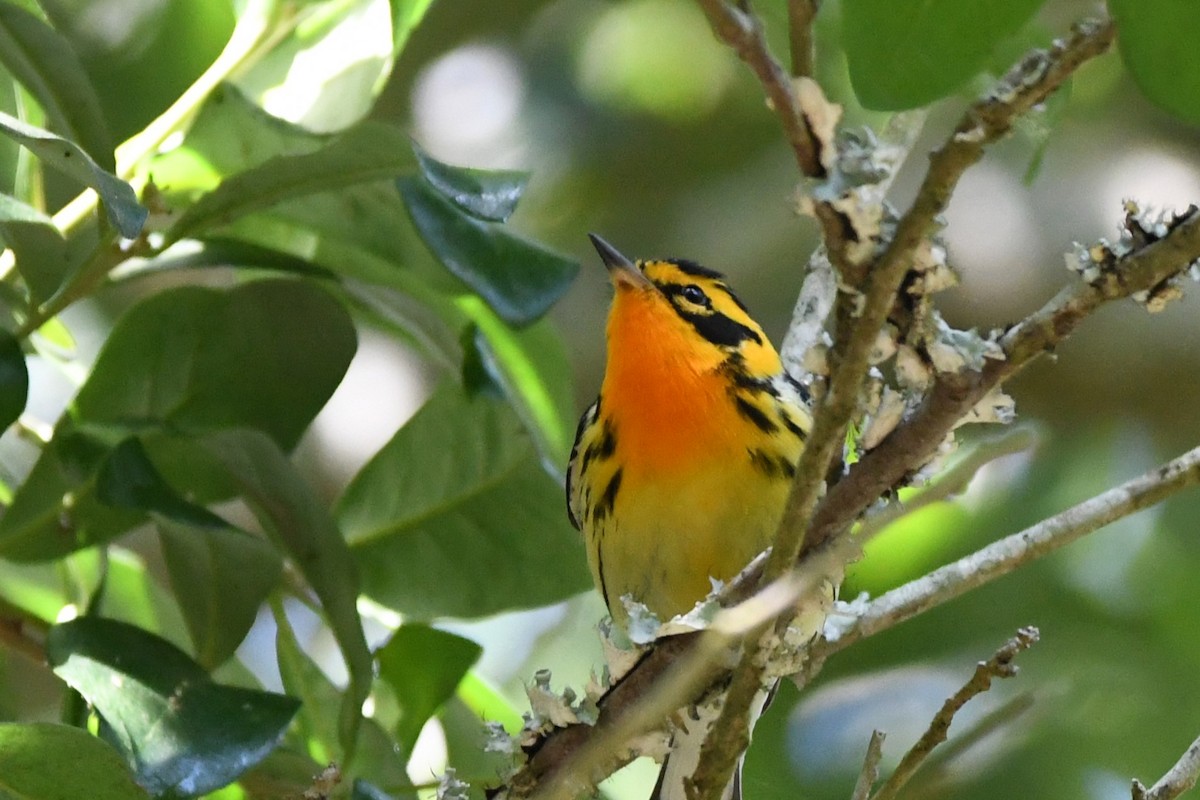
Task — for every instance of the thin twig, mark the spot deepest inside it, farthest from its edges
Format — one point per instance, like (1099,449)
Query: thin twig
(953,481)
(998,666)
(1002,557)
(743,32)
(801,15)
(1179,778)
(870,768)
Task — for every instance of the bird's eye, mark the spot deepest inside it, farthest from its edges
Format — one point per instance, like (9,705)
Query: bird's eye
(694,294)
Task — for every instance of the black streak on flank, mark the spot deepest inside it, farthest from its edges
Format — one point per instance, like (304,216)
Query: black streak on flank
(771,466)
(754,415)
(604,505)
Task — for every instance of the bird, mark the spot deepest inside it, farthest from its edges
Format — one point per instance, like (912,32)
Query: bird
(681,468)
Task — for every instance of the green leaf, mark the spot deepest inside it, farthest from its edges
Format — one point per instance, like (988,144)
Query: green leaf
(367,152)
(530,366)
(124,211)
(37,244)
(300,524)
(455,516)
(342,89)
(220,576)
(42,761)
(266,355)
(14,380)
(45,63)
(406,14)
(181,733)
(518,278)
(490,195)
(908,53)
(424,666)
(1157,45)
(220,573)
(302,678)
(143,59)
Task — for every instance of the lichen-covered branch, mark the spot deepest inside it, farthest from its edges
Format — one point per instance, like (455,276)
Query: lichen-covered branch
(1179,778)
(1000,558)
(1000,665)
(955,394)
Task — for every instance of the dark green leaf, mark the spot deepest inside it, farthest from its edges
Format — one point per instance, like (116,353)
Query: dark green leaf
(456,517)
(124,211)
(908,53)
(491,195)
(266,354)
(44,61)
(518,278)
(1157,41)
(38,245)
(292,513)
(14,380)
(423,665)
(41,761)
(370,151)
(182,733)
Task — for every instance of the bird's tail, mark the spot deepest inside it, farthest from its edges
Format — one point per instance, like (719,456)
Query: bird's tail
(686,742)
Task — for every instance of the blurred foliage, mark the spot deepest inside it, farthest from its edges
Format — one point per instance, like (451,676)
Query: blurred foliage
(216,613)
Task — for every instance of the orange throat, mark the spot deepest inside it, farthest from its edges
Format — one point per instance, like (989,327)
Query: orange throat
(668,404)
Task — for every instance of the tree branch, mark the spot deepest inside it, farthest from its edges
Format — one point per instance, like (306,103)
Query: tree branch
(742,30)
(1179,778)
(801,15)
(1025,86)
(1002,557)
(870,768)
(998,666)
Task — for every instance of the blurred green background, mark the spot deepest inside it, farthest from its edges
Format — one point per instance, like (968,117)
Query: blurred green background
(639,126)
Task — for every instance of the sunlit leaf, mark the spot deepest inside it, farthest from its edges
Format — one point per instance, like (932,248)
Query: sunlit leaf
(1156,38)
(433,524)
(424,666)
(907,53)
(46,64)
(370,151)
(353,44)
(14,380)
(491,195)
(517,277)
(124,211)
(181,733)
(42,761)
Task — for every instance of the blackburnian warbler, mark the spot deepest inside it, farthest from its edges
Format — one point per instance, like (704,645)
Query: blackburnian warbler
(682,466)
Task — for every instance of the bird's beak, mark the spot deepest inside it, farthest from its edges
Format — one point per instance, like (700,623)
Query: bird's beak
(620,269)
